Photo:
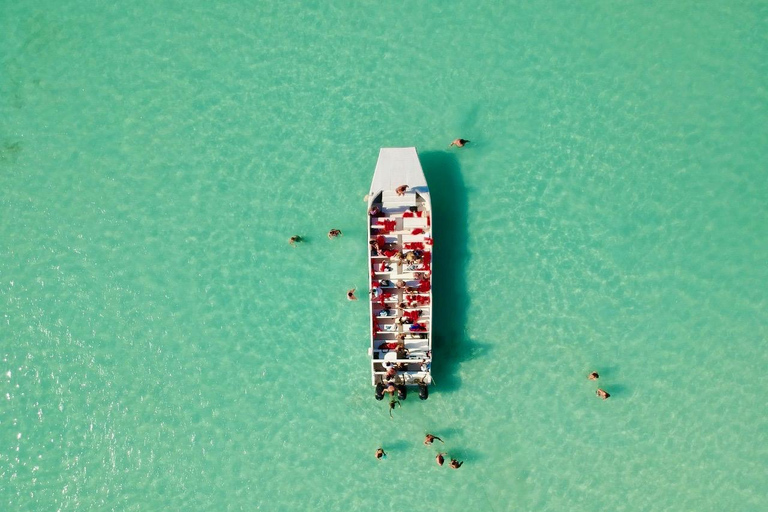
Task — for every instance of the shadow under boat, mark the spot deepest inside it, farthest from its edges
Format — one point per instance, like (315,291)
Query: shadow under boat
(450,297)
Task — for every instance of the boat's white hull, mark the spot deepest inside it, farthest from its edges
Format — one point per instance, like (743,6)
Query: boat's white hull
(400,269)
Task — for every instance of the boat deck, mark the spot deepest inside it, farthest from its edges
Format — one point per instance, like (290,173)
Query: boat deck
(400,244)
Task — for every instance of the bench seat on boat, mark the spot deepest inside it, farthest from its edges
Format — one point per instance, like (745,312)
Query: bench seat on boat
(410,223)
(409,238)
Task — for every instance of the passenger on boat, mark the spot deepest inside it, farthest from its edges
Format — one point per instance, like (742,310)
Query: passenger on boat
(401,190)
(400,284)
(387,226)
(391,373)
(405,320)
(413,315)
(375,212)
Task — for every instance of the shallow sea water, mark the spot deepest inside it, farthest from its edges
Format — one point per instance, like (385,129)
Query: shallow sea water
(164,348)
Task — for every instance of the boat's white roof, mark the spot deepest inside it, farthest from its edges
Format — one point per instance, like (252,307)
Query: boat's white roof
(398,166)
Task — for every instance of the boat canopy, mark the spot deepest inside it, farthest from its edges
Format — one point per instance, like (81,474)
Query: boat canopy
(395,167)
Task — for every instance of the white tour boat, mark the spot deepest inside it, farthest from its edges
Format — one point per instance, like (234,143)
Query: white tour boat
(400,269)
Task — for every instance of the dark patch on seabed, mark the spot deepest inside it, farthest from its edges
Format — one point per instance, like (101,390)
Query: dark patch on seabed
(9,152)
(451,346)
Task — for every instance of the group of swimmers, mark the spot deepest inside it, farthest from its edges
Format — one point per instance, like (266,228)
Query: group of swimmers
(439,458)
(334,233)
(298,238)
(601,393)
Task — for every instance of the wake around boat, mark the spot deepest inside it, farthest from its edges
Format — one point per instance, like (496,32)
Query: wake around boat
(400,268)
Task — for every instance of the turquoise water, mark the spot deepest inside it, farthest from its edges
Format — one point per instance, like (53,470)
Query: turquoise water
(164,348)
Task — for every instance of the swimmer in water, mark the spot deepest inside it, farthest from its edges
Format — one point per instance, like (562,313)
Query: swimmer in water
(394,401)
(603,394)
(351,294)
(380,454)
(459,143)
(593,376)
(439,459)
(455,464)
(294,239)
(401,190)
(430,438)
(334,233)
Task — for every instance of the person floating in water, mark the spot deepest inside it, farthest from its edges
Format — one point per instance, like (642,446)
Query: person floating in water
(351,294)
(459,143)
(593,376)
(334,233)
(429,438)
(392,402)
(401,190)
(294,239)
(455,464)
(380,454)
(439,459)
(603,394)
